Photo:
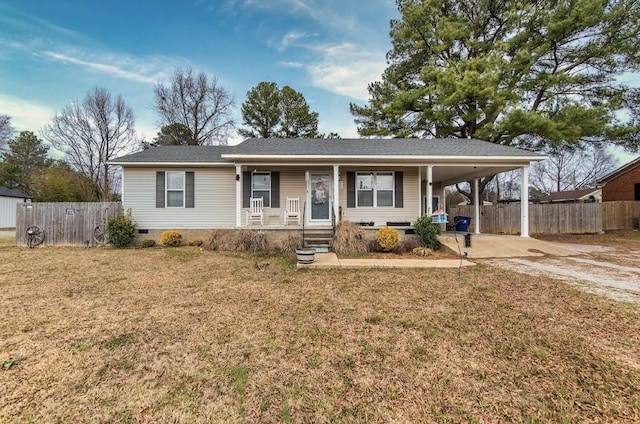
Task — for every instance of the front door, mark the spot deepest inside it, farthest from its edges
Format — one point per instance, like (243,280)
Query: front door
(320,198)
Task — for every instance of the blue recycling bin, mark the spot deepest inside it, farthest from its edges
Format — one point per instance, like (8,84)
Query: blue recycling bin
(462,223)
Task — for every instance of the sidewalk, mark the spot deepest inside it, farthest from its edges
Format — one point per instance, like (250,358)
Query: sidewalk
(331,260)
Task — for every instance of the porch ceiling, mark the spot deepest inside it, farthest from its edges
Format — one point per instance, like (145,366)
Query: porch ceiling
(447,174)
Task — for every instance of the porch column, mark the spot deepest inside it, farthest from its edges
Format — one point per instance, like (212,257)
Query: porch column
(336,192)
(238,196)
(524,202)
(476,203)
(420,202)
(429,190)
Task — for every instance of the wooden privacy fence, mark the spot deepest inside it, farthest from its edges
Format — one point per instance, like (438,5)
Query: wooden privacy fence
(64,223)
(554,218)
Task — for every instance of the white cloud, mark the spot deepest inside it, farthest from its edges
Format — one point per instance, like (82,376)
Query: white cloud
(290,38)
(291,64)
(144,69)
(346,69)
(25,115)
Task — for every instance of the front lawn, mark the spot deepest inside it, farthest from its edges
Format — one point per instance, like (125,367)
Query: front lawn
(192,336)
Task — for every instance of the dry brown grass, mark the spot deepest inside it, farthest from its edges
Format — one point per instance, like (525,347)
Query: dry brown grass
(193,336)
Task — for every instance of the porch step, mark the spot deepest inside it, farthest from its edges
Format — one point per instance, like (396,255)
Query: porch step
(319,239)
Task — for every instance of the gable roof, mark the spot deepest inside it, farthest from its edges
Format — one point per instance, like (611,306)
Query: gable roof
(388,148)
(179,155)
(6,192)
(622,170)
(568,195)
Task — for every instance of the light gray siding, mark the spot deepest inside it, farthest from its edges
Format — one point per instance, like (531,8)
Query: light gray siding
(8,211)
(380,216)
(214,199)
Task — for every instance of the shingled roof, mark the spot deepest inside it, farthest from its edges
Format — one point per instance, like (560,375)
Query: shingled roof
(176,154)
(307,147)
(445,147)
(6,192)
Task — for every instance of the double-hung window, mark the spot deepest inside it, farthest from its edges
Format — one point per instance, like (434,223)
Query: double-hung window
(175,189)
(261,187)
(374,189)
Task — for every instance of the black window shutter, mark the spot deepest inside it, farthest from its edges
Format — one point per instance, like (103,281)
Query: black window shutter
(160,189)
(246,188)
(351,189)
(275,189)
(399,190)
(190,190)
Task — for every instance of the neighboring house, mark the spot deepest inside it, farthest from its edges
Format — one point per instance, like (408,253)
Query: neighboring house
(8,201)
(622,184)
(572,196)
(362,180)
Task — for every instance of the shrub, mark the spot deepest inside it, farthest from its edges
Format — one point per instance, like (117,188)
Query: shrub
(251,241)
(422,251)
(290,243)
(220,240)
(428,232)
(121,230)
(350,239)
(147,243)
(171,238)
(387,238)
(237,241)
(407,244)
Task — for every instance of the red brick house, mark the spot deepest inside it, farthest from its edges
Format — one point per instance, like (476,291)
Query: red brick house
(622,184)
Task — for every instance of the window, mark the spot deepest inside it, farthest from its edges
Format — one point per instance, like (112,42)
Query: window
(175,189)
(261,187)
(375,189)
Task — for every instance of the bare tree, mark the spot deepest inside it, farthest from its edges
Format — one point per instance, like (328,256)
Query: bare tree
(6,130)
(198,102)
(91,133)
(570,168)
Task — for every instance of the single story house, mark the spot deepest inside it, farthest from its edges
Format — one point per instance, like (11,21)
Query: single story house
(622,184)
(573,196)
(373,181)
(8,201)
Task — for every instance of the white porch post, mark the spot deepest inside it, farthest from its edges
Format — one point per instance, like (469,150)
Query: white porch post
(238,196)
(524,202)
(420,202)
(476,203)
(429,190)
(336,192)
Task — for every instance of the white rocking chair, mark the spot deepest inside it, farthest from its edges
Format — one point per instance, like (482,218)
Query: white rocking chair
(292,209)
(255,212)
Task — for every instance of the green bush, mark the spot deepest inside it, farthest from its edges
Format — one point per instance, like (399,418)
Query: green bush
(171,238)
(121,230)
(387,238)
(428,232)
(147,243)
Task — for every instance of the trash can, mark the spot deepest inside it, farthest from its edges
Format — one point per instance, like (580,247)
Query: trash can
(462,223)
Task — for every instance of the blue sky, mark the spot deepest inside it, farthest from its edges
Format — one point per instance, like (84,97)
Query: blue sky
(53,52)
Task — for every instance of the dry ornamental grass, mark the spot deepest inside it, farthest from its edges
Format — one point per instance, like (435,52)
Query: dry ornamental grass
(195,336)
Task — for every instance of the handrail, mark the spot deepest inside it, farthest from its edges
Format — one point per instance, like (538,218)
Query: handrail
(304,219)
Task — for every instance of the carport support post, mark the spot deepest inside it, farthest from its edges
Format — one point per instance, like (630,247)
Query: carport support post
(524,202)
(476,206)
(238,195)
(336,193)
(429,190)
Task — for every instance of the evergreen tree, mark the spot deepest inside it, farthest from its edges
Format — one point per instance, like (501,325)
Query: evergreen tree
(270,112)
(530,73)
(26,154)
